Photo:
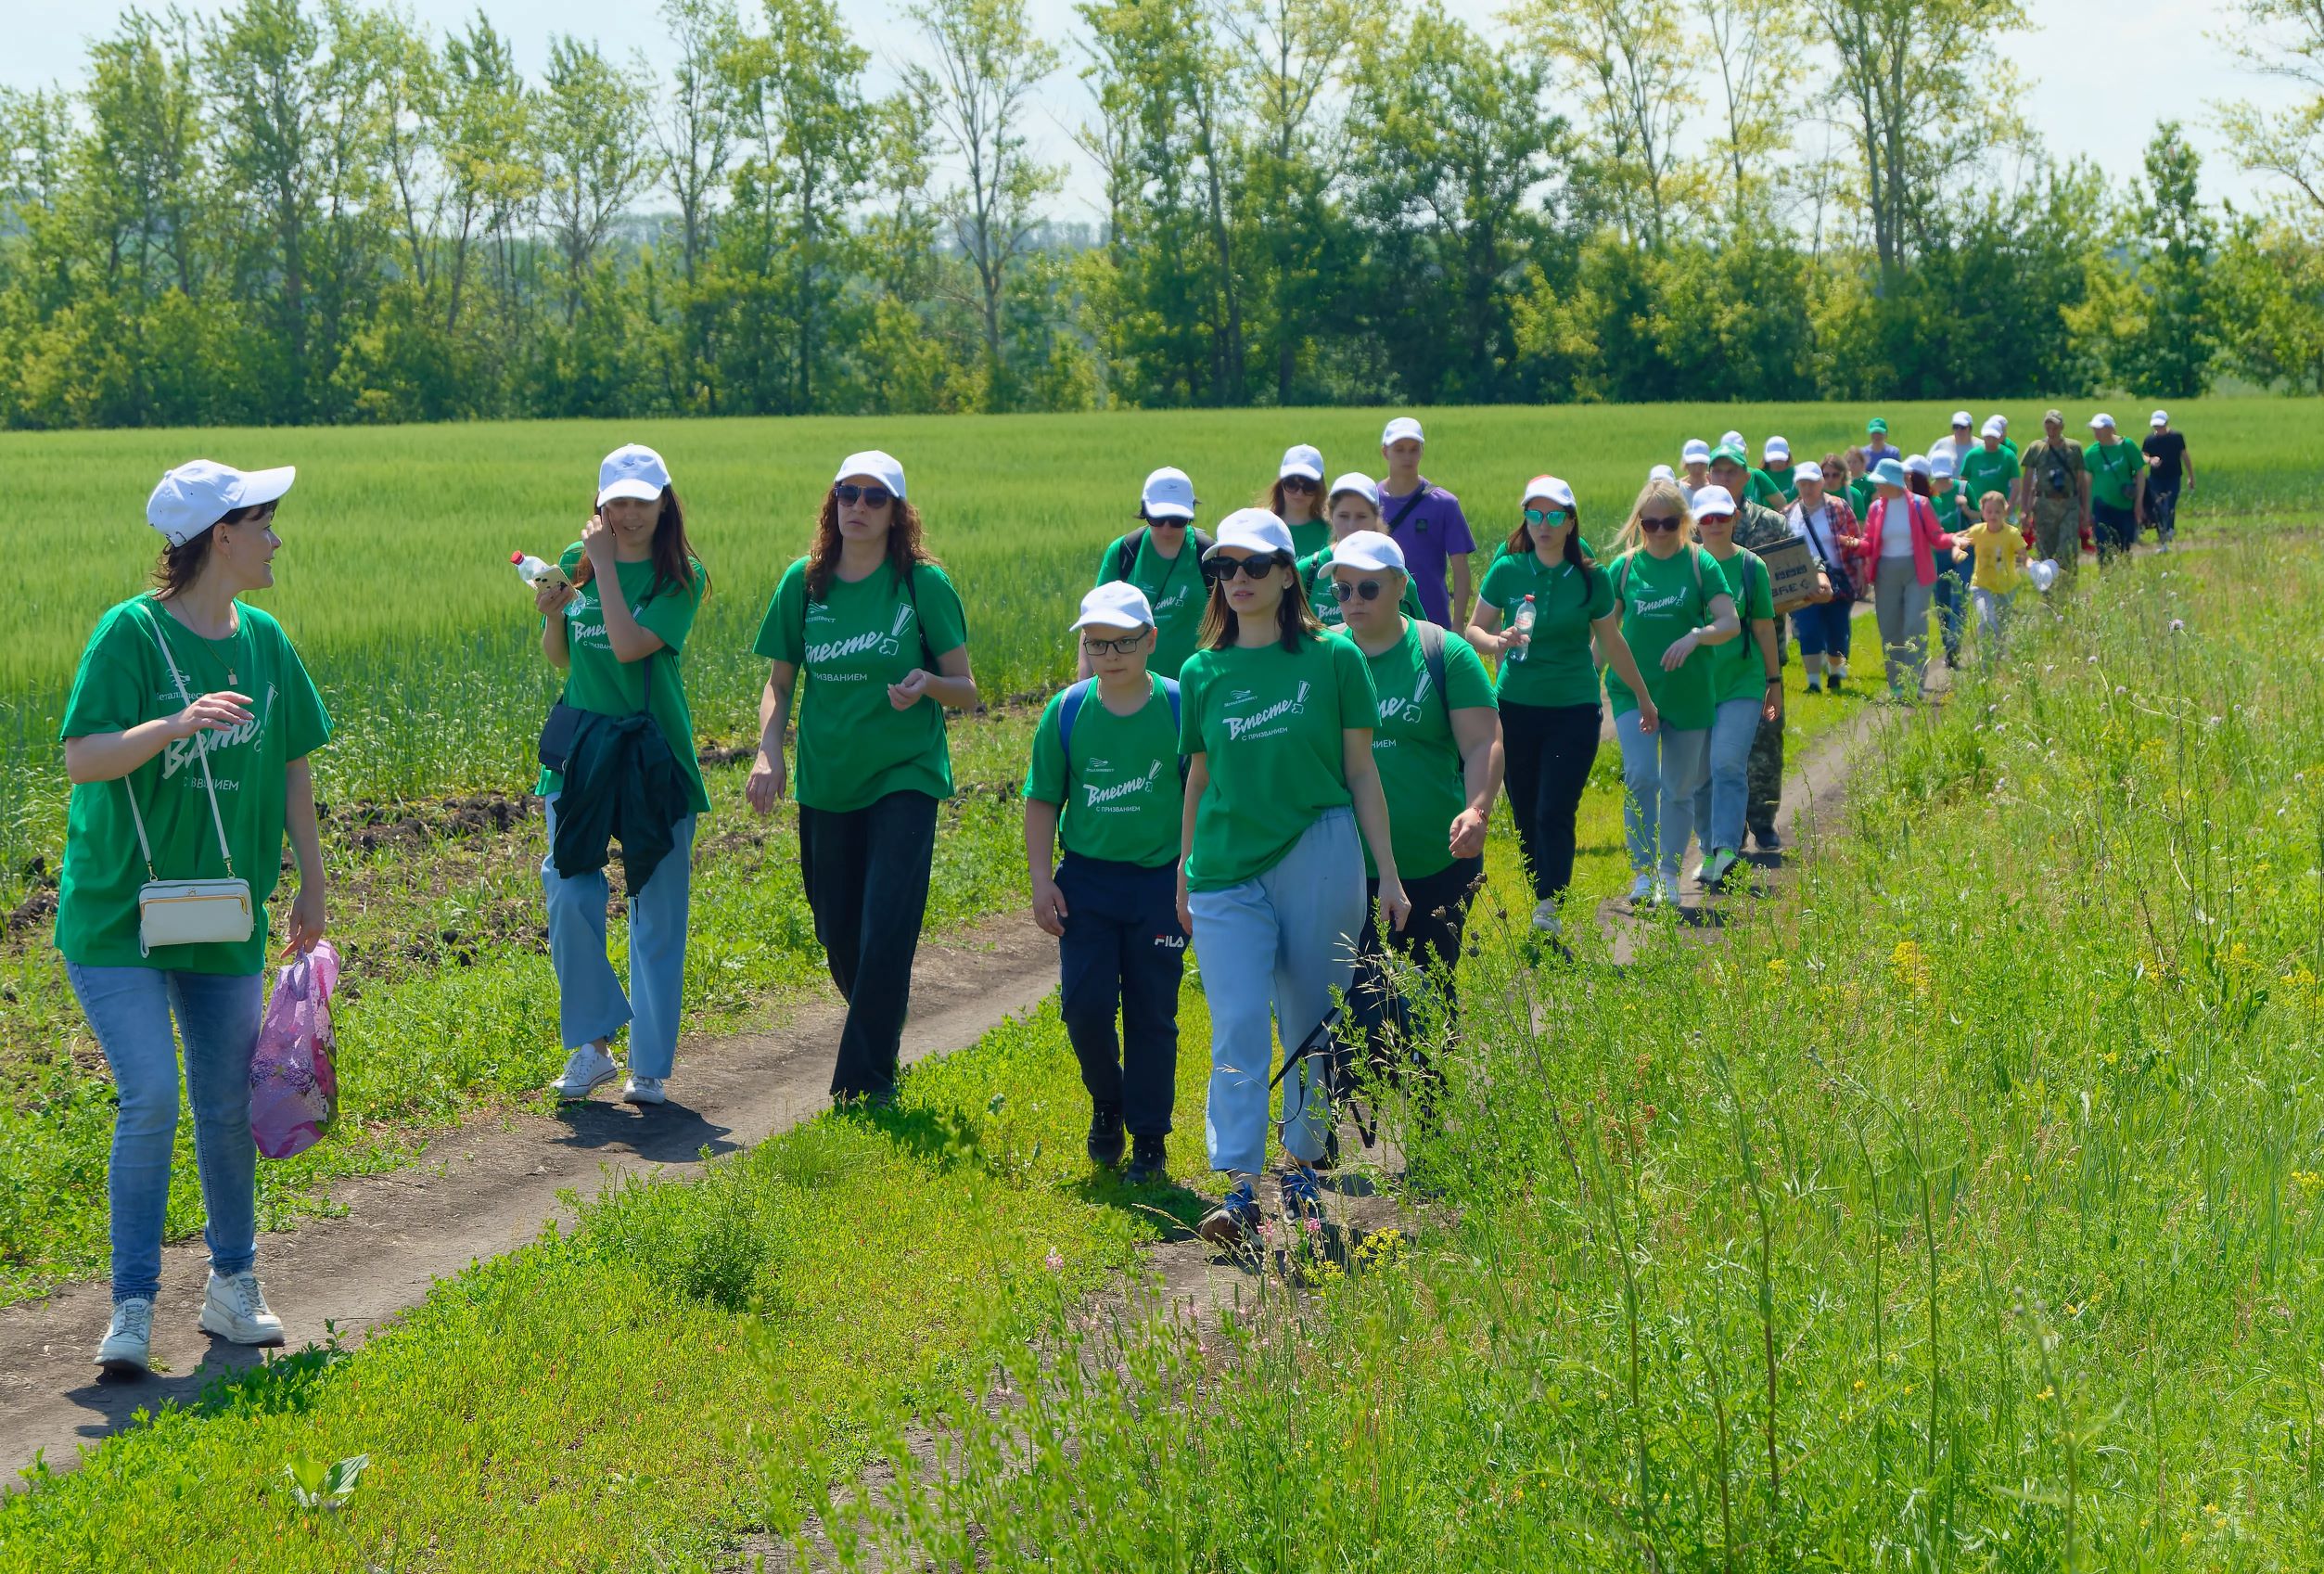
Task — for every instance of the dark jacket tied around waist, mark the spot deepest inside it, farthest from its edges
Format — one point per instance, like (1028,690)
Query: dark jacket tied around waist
(621,783)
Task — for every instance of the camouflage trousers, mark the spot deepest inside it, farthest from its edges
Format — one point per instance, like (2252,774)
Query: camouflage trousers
(1763,781)
(2058,532)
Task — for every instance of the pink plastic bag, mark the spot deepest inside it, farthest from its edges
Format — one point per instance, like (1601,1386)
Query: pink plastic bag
(292,1085)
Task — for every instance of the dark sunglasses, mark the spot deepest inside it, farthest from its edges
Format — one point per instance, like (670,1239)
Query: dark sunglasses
(1369,589)
(1169,522)
(1121,646)
(870,496)
(1546,516)
(1299,483)
(1659,521)
(1219,570)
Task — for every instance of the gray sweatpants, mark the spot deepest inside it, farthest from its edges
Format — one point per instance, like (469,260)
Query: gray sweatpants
(1901,602)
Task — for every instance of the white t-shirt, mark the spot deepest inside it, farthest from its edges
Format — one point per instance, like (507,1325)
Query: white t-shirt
(1895,531)
(1948,444)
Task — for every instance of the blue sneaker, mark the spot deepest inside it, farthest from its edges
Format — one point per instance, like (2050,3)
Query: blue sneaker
(1303,1198)
(1235,1220)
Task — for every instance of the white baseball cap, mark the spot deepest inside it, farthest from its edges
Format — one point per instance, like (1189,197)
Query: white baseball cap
(1661,473)
(1548,488)
(2001,420)
(1252,530)
(1941,465)
(883,468)
(1400,429)
(1358,482)
(200,493)
(1730,440)
(631,471)
(1168,494)
(1714,500)
(1916,464)
(1301,460)
(1777,451)
(1116,604)
(1368,550)
(2101,422)
(1995,426)
(1696,451)
(1960,417)
(2159,418)
(1808,470)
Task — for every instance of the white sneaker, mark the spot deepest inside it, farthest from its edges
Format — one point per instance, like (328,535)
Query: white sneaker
(1545,918)
(643,1089)
(235,1309)
(1642,891)
(587,1070)
(1716,867)
(127,1349)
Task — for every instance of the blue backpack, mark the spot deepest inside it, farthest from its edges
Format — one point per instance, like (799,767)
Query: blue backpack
(1079,696)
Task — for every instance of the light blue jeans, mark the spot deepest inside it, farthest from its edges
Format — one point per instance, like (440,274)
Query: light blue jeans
(129,1009)
(591,1003)
(1272,950)
(1661,771)
(1719,801)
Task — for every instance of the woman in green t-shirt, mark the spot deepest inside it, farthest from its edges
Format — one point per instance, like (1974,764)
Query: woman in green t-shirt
(1549,680)
(1276,719)
(1297,499)
(1675,606)
(1162,558)
(1746,688)
(618,634)
(870,623)
(186,738)
(1353,505)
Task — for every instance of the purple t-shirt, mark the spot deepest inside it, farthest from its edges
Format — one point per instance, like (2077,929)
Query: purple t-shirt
(1874,454)
(1433,531)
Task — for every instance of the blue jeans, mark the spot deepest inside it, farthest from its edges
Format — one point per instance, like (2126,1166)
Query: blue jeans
(1952,595)
(129,1009)
(1286,941)
(591,1003)
(1825,628)
(1720,802)
(1661,770)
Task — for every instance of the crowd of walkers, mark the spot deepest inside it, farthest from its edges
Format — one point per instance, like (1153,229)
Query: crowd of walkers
(1283,745)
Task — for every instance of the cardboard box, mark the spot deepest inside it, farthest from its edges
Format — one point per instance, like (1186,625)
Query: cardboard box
(1791,572)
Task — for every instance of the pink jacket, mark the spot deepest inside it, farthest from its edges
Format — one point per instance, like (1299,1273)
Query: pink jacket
(1926,537)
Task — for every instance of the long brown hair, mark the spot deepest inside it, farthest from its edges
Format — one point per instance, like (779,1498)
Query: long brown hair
(905,550)
(1521,539)
(1272,501)
(673,554)
(1294,618)
(178,567)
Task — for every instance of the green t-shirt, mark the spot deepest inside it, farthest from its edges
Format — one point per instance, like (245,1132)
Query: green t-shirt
(854,748)
(1309,536)
(1420,774)
(2114,472)
(600,682)
(1737,669)
(1121,793)
(1269,721)
(1316,575)
(1661,601)
(1981,472)
(1861,491)
(1556,668)
(122,682)
(1174,588)
(1766,491)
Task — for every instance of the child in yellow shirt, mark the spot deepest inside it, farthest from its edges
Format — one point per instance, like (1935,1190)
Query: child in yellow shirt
(2000,552)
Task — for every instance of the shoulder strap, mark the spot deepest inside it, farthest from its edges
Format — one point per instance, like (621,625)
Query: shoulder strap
(202,753)
(1169,692)
(1405,508)
(1126,553)
(1432,653)
(1067,709)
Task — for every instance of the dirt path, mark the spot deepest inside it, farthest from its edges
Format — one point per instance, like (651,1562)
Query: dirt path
(479,1191)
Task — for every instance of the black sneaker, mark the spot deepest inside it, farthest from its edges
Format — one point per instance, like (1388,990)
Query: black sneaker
(1105,1136)
(1235,1222)
(1767,840)
(1149,1160)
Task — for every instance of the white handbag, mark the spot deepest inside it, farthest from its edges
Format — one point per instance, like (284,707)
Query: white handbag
(189,912)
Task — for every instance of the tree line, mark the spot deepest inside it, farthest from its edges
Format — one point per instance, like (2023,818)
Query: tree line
(312,211)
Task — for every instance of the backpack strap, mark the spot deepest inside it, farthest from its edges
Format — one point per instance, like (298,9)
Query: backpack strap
(1432,653)
(1125,553)
(1068,708)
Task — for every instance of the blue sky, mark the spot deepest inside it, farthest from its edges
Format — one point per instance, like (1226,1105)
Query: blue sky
(2160,62)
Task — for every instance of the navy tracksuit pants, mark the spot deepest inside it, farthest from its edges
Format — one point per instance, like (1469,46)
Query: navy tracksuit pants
(1123,950)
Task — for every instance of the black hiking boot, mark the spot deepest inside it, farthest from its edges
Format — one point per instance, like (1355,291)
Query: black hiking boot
(1149,1160)
(1105,1136)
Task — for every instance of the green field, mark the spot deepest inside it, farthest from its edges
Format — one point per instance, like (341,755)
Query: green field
(393,579)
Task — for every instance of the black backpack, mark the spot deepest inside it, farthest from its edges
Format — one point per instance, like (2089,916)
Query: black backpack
(1126,556)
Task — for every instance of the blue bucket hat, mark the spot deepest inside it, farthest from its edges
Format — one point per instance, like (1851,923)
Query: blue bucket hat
(1889,472)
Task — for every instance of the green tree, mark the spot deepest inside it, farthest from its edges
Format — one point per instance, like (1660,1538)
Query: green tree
(592,131)
(1637,75)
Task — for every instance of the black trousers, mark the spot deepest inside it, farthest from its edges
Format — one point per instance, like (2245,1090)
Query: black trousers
(1430,940)
(867,873)
(1550,751)
(1123,949)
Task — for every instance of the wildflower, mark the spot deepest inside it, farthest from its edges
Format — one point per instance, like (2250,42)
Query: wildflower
(2047,1392)
(2178,625)
(1315,1226)
(1053,1261)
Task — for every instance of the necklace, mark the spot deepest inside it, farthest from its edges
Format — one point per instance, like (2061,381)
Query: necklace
(209,648)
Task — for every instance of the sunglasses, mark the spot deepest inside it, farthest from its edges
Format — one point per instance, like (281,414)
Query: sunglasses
(1123,647)
(1653,522)
(1369,589)
(1546,516)
(1715,518)
(1167,524)
(1219,570)
(870,496)
(1299,483)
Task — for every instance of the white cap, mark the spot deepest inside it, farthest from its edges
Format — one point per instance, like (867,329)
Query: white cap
(1252,530)
(884,468)
(1916,464)
(2002,421)
(1368,550)
(1358,482)
(1730,440)
(2160,418)
(1777,451)
(2101,422)
(201,492)
(1116,604)
(1400,429)
(631,471)
(1301,460)
(1941,465)
(1808,470)
(1714,500)
(1661,473)
(2044,574)
(1696,451)
(1168,494)
(1960,417)
(1995,426)
(1549,488)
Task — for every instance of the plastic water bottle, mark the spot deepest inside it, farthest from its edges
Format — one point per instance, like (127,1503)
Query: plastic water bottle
(536,573)
(1523,624)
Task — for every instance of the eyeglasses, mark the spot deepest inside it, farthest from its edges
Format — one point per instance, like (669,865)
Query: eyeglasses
(870,496)
(1550,517)
(1369,589)
(1121,646)
(1300,483)
(1659,521)
(1221,569)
